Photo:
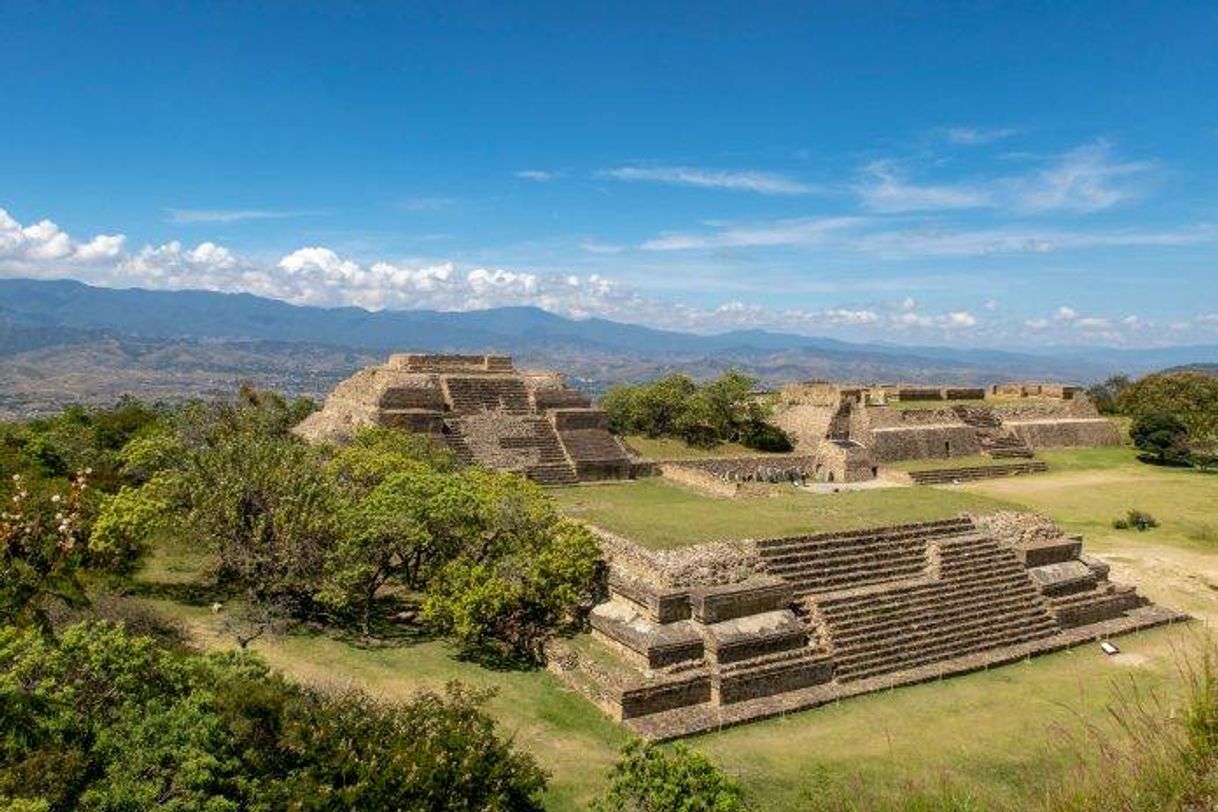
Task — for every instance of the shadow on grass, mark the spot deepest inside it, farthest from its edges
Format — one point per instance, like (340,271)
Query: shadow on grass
(189,593)
(495,658)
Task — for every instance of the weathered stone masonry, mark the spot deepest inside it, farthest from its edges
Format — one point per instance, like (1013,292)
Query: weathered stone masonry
(795,622)
(486,410)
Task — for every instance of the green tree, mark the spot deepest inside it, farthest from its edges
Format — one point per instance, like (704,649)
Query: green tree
(102,720)
(1161,435)
(1107,395)
(651,778)
(1192,397)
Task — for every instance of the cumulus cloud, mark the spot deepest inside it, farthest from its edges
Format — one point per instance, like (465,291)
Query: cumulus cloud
(44,249)
(766,183)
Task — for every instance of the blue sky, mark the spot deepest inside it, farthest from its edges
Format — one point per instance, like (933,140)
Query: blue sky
(978,173)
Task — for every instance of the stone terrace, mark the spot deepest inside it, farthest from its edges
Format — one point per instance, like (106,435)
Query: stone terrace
(485,410)
(798,621)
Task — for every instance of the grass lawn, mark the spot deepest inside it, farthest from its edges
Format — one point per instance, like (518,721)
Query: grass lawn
(1175,563)
(668,448)
(661,515)
(998,737)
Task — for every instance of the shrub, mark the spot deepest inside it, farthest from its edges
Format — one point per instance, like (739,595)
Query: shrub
(102,720)
(1135,520)
(1161,435)
(649,778)
(765,437)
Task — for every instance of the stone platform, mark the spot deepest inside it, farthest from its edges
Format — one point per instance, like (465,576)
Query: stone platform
(799,621)
(486,410)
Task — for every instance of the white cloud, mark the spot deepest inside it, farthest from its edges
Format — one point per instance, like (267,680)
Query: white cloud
(765,183)
(799,231)
(425,204)
(598,247)
(874,237)
(976,136)
(885,191)
(188,216)
(1086,179)
(849,317)
(539,175)
(1036,324)
(960,318)
(1065,313)
(43,249)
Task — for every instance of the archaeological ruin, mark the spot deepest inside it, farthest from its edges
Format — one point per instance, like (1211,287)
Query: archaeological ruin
(486,410)
(853,431)
(713,635)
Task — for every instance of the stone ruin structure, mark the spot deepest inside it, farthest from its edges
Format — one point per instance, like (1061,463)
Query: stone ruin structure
(485,409)
(853,430)
(717,634)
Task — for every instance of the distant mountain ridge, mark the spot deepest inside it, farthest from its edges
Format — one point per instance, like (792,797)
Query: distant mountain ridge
(52,334)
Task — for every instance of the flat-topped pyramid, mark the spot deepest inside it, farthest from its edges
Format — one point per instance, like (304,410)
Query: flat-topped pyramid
(485,409)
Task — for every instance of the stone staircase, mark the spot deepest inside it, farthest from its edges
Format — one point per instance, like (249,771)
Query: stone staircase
(982,598)
(828,562)
(995,441)
(889,599)
(468,395)
(947,476)
(536,453)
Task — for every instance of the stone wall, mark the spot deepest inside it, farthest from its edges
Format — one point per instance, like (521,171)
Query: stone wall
(923,442)
(1066,433)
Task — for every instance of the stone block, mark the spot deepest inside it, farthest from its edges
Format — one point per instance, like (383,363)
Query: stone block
(657,645)
(760,593)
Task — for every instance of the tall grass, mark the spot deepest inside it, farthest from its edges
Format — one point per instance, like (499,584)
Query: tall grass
(1159,756)
(1151,754)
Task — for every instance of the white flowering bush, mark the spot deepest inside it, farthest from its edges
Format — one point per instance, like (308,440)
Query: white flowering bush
(41,546)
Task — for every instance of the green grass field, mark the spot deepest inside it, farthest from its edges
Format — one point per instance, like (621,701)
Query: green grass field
(1000,738)
(661,515)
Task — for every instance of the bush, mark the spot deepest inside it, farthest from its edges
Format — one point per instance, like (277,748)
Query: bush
(765,437)
(649,778)
(1135,520)
(102,720)
(1161,435)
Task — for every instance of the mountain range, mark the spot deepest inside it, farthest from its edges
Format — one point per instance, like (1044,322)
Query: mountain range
(62,341)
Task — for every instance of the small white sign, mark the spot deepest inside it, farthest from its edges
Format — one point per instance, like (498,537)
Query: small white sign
(1109,648)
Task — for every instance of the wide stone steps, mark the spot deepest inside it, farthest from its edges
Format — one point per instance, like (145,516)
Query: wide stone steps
(946,476)
(592,444)
(946,647)
(829,551)
(926,615)
(776,547)
(864,612)
(913,609)
(1104,602)
(478,394)
(978,596)
(556,474)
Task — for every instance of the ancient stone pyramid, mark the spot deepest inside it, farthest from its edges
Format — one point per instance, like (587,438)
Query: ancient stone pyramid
(485,409)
